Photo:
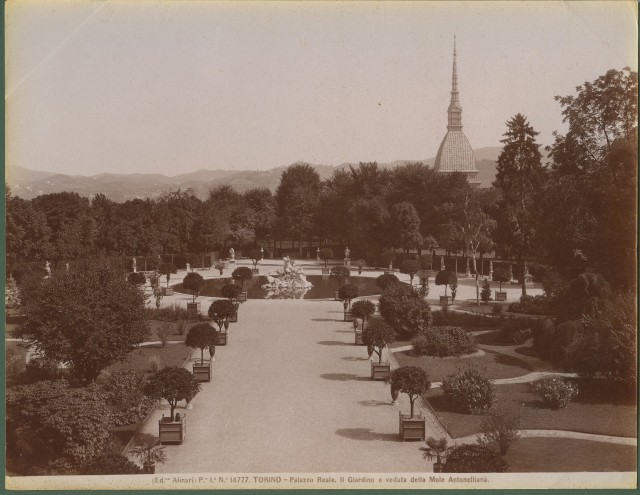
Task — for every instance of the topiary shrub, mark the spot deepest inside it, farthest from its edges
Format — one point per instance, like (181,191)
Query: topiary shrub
(501,275)
(485,293)
(167,269)
(193,282)
(555,392)
(474,459)
(500,429)
(378,335)
(242,274)
(410,380)
(348,292)
(363,310)
(326,254)
(201,336)
(172,384)
(443,342)
(341,274)
(220,311)
(384,281)
(256,256)
(410,267)
(446,278)
(231,291)
(530,305)
(465,320)
(469,391)
(405,310)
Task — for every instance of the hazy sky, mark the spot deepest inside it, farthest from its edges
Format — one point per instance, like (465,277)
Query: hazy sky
(167,87)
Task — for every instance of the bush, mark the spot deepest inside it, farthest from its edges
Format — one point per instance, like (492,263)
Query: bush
(443,342)
(231,291)
(474,459)
(171,313)
(137,278)
(221,310)
(501,275)
(465,320)
(155,363)
(42,368)
(516,331)
(497,309)
(554,392)
(384,281)
(544,336)
(485,293)
(123,392)
(163,332)
(363,309)
(326,254)
(469,391)
(242,274)
(500,429)
(172,384)
(348,292)
(110,462)
(201,336)
(531,305)
(446,278)
(405,310)
(410,267)
(181,327)
(193,282)
(340,273)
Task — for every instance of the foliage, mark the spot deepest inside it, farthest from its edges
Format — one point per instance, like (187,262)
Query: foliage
(175,312)
(378,334)
(150,453)
(454,289)
(89,317)
(404,225)
(407,312)
(385,280)
(387,258)
(446,278)
(583,295)
(201,336)
(443,342)
(500,429)
(517,330)
(172,384)
(326,254)
(110,462)
(193,282)
(555,392)
(167,269)
(485,294)
(154,363)
(49,423)
(544,337)
(531,305)
(501,274)
(363,309)
(474,459)
(123,393)
(242,274)
(220,266)
(348,292)
(469,391)
(256,256)
(435,449)
(231,291)
(164,330)
(410,380)
(340,273)
(221,310)
(465,320)
(410,267)
(41,368)
(137,278)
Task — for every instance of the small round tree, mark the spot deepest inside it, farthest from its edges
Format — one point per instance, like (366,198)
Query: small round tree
(220,311)
(387,258)
(201,336)
(474,459)
(410,380)
(363,309)
(446,278)
(172,384)
(469,391)
(137,278)
(384,281)
(410,267)
(231,291)
(485,293)
(341,274)
(256,256)
(405,310)
(500,429)
(193,282)
(326,254)
(378,335)
(500,275)
(242,274)
(219,265)
(167,269)
(348,292)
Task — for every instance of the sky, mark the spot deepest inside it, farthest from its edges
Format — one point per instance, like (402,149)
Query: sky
(173,87)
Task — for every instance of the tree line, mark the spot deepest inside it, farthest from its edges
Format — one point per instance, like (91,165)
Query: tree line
(573,213)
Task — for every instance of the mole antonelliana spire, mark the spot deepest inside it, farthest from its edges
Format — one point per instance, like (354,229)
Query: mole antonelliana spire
(455,153)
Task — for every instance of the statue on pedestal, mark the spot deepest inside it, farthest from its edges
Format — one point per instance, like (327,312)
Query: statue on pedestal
(347,252)
(135,266)
(441,263)
(232,254)
(188,267)
(47,268)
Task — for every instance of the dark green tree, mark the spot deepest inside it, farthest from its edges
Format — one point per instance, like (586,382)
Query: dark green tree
(193,282)
(405,310)
(363,309)
(220,311)
(410,380)
(201,336)
(378,335)
(172,384)
(410,267)
(348,292)
(242,274)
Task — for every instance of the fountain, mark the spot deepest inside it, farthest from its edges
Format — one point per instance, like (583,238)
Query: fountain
(288,282)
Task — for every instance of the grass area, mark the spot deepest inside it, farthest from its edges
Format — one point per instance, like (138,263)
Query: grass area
(156,325)
(595,410)
(141,359)
(530,455)
(495,365)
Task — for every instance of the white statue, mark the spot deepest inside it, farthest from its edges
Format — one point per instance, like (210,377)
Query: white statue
(346,253)
(135,266)
(67,266)
(47,267)
(232,254)
(318,253)
(441,263)
(188,267)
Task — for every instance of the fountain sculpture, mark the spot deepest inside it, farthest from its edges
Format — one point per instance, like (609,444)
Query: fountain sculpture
(288,282)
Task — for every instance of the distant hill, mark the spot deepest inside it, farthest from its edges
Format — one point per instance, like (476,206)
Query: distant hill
(28,183)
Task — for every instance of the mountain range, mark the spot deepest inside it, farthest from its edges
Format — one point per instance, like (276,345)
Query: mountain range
(28,183)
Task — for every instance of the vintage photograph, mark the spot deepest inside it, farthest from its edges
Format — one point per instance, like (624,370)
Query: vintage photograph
(337,245)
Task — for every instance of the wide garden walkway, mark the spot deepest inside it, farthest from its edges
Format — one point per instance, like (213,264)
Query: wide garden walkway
(291,393)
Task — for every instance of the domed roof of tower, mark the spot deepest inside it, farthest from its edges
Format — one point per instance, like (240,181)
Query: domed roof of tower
(455,154)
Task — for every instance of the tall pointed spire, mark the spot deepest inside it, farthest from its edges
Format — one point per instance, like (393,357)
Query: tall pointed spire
(455,110)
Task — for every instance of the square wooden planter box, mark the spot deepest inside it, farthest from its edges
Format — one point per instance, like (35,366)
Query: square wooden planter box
(348,316)
(445,301)
(223,338)
(255,271)
(243,296)
(380,371)
(172,431)
(167,291)
(326,271)
(193,308)
(412,428)
(501,296)
(359,340)
(202,372)
(233,318)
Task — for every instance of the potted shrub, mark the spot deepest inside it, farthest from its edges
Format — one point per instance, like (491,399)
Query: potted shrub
(341,274)
(233,293)
(346,293)
(385,280)
(500,275)
(137,278)
(167,269)
(220,266)
(485,293)
(387,258)
(362,310)
(220,311)
(414,382)
(410,267)
(242,274)
(326,254)
(172,384)
(378,335)
(469,391)
(446,278)
(193,282)
(256,256)
(435,449)
(148,454)
(201,336)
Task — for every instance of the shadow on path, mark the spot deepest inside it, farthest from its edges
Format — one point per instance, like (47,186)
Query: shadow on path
(325,319)
(344,377)
(367,434)
(351,358)
(374,403)
(332,342)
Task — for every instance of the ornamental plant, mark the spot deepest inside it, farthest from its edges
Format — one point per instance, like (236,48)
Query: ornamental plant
(201,336)
(410,267)
(555,392)
(500,429)
(219,265)
(443,342)
(500,275)
(469,391)
(137,278)
(387,258)
(231,291)
(220,311)
(348,292)
(193,282)
(435,449)
(341,274)
(149,453)
(446,278)
(360,264)
(326,254)
(167,269)
(242,274)
(172,384)
(384,281)
(256,256)
(474,459)
(363,310)
(410,380)
(405,310)
(378,335)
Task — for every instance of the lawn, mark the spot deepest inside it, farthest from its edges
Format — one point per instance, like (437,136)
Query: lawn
(493,364)
(542,455)
(593,411)
(141,359)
